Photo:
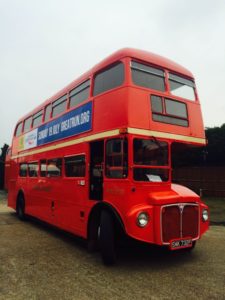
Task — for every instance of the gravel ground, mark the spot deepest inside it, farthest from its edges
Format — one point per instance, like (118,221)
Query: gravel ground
(39,262)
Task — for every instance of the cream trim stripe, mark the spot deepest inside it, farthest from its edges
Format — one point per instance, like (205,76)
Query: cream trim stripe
(167,135)
(70,143)
(112,133)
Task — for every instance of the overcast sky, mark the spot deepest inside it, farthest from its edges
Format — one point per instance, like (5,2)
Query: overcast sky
(45,44)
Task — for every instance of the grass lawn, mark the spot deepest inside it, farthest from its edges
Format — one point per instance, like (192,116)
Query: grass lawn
(216,209)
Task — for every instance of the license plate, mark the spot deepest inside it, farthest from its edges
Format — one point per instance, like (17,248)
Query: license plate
(181,243)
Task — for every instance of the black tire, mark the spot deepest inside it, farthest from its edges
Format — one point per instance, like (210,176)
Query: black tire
(20,209)
(107,238)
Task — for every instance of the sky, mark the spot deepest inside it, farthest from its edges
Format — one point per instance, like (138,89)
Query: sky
(46,44)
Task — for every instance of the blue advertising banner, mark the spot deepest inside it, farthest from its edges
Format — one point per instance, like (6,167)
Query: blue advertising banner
(72,123)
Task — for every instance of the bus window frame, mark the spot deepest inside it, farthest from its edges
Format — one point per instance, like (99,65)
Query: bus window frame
(28,129)
(64,166)
(90,80)
(132,165)
(36,162)
(57,102)
(107,67)
(21,131)
(121,167)
(61,170)
(164,112)
(39,113)
(160,68)
(170,72)
(44,114)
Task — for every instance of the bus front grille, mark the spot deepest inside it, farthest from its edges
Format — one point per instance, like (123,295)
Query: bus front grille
(179,221)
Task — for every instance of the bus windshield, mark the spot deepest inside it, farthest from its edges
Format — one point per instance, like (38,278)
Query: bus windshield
(151,158)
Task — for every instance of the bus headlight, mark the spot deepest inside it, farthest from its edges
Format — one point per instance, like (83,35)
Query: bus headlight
(142,219)
(205,215)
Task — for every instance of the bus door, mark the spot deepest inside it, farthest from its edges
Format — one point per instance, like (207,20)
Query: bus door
(96,170)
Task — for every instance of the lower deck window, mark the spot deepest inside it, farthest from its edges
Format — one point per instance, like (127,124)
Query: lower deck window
(43,168)
(54,167)
(150,157)
(151,174)
(33,169)
(116,158)
(75,166)
(23,170)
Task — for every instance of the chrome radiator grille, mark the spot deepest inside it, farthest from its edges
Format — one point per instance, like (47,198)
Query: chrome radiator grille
(179,221)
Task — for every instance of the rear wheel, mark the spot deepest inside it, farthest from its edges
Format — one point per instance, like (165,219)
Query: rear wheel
(20,210)
(107,238)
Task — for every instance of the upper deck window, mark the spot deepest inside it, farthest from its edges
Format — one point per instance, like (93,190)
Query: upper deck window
(27,124)
(80,93)
(182,87)
(109,79)
(147,76)
(19,129)
(169,111)
(59,106)
(48,111)
(37,118)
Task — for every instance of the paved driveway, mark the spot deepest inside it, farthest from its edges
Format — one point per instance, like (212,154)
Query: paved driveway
(39,262)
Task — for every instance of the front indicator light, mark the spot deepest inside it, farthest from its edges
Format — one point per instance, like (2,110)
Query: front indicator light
(205,215)
(142,219)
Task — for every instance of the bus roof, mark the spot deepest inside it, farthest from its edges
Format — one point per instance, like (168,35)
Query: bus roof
(142,55)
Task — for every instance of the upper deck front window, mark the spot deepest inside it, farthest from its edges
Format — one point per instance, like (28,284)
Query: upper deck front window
(182,87)
(147,76)
(109,79)
(151,159)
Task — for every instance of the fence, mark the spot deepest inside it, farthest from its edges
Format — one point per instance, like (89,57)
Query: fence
(209,181)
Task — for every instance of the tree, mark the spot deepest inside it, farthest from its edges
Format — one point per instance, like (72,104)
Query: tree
(2,164)
(213,154)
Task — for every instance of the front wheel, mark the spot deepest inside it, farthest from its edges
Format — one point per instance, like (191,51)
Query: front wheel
(107,238)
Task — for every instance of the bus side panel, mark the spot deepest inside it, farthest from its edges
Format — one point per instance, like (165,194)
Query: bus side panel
(71,198)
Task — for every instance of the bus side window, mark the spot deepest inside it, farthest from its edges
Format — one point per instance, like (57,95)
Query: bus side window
(43,168)
(48,112)
(33,169)
(75,166)
(59,106)
(109,79)
(80,93)
(116,158)
(54,167)
(37,119)
(27,124)
(23,170)
(19,129)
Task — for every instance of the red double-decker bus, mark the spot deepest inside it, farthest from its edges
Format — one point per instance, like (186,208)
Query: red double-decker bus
(95,159)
